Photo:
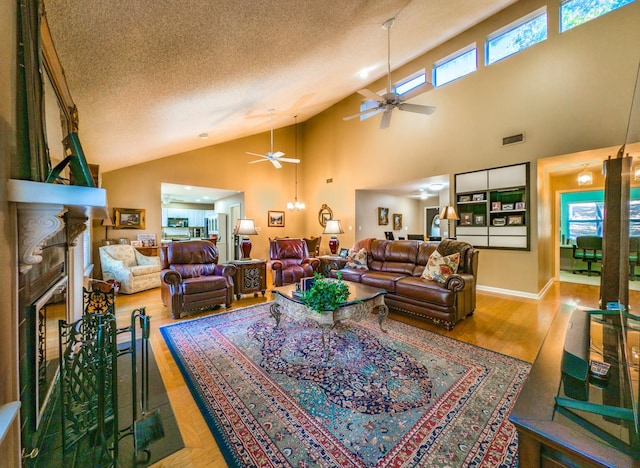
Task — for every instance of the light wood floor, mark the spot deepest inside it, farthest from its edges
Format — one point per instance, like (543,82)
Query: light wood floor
(505,324)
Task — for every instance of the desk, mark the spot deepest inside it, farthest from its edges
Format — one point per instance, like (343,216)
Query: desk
(250,277)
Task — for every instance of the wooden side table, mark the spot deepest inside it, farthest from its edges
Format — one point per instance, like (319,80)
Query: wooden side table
(250,277)
(331,262)
(149,251)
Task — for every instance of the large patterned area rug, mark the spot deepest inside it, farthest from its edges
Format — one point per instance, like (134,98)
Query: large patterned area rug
(408,397)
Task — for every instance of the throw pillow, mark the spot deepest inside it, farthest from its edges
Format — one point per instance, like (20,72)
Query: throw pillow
(357,259)
(439,268)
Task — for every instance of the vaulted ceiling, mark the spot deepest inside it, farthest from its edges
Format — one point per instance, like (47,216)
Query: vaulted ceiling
(149,77)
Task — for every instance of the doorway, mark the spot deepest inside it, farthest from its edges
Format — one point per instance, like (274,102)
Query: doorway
(432,222)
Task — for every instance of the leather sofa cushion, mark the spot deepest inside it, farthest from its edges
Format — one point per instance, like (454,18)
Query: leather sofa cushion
(194,270)
(192,252)
(140,270)
(349,274)
(425,290)
(292,274)
(381,279)
(203,284)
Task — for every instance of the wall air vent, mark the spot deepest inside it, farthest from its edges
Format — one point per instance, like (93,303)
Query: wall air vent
(513,139)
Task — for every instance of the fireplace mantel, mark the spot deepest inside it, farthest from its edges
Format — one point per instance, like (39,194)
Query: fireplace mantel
(45,209)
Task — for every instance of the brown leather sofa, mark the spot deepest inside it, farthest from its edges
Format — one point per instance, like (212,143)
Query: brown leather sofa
(192,280)
(397,266)
(290,261)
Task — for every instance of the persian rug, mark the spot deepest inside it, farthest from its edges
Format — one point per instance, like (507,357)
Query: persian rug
(408,397)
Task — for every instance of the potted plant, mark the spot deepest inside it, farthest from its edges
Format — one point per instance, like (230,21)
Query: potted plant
(325,294)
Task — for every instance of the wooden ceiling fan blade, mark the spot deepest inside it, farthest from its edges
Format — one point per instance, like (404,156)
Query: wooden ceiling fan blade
(289,160)
(416,108)
(370,94)
(417,91)
(386,119)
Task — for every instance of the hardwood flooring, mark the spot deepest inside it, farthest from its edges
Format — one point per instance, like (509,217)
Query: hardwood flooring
(505,324)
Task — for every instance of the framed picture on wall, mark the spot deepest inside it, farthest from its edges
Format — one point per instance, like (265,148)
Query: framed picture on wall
(275,219)
(129,218)
(383,216)
(397,222)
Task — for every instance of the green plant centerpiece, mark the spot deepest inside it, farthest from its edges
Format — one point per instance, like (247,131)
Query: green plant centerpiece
(325,294)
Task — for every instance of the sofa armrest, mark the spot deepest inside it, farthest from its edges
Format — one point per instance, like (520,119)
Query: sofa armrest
(171,277)
(114,269)
(458,282)
(226,269)
(314,262)
(276,265)
(146,260)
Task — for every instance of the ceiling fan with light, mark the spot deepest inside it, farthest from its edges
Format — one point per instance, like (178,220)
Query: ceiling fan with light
(275,157)
(392,100)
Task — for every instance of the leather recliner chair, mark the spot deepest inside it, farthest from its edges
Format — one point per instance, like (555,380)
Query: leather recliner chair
(191,278)
(290,261)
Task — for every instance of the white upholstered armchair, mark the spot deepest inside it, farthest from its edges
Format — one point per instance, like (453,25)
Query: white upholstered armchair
(134,271)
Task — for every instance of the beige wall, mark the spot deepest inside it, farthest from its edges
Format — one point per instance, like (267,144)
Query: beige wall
(570,93)
(9,449)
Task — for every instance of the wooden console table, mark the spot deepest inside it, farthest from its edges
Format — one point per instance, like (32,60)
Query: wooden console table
(250,277)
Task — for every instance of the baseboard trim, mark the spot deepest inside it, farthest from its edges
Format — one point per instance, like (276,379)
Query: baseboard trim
(511,292)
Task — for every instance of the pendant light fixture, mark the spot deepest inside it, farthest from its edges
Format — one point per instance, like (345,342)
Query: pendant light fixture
(296,205)
(585,177)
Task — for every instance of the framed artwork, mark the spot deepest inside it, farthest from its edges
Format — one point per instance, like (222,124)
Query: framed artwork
(397,222)
(466,219)
(383,216)
(129,218)
(478,219)
(520,206)
(275,219)
(499,221)
(324,215)
(514,220)
(496,206)
(507,206)
(478,197)
(464,198)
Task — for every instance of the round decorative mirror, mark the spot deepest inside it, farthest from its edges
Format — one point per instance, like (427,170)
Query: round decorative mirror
(324,215)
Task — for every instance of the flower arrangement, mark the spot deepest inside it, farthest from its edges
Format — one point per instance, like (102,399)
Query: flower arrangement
(325,293)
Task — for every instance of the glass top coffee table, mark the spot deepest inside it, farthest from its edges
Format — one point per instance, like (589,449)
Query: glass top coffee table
(361,302)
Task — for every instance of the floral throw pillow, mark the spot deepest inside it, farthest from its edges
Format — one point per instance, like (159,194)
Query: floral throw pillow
(357,259)
(439,268)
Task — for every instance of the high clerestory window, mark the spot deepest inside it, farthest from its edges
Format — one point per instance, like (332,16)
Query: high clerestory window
(519,35)
(456,65)
(576,12)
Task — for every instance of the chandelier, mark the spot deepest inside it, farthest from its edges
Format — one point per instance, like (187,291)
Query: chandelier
(585,177)
(296,205)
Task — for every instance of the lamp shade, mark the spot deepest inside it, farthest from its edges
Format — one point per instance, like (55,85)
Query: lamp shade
(107,222)
(448,212)
(245,227)
(333,227)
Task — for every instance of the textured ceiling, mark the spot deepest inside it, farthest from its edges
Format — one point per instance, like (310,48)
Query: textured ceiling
(149,76)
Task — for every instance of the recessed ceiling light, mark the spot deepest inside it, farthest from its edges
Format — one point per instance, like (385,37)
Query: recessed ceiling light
(364,73)
(187,187)
(436,187)
(205,197)
(197,199)
(203,136)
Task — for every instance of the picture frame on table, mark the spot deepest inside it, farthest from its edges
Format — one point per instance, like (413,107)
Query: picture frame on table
(129,218)
(520,206)
(496,206)
(275,219)
(477,197)
(343,253)
(466,219)
(478,219)
(507,206)
(499,221)
(464,198)
(514,220)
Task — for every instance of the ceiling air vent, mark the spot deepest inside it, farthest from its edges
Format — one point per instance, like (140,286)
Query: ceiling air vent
(513,139)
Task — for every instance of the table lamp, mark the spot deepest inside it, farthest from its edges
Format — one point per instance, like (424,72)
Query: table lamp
(245,227)
(449,213)
(333,227)
(107,223)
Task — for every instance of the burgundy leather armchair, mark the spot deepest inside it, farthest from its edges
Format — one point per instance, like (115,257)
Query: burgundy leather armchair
(290,261)
(191,278)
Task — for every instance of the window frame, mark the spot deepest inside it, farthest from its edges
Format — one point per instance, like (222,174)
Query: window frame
(503,31)
(450,58)
(566,2)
